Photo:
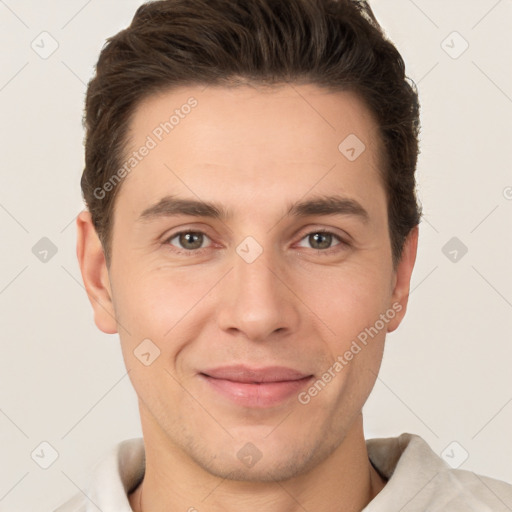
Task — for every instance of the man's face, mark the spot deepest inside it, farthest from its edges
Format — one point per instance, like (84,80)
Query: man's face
(268,283)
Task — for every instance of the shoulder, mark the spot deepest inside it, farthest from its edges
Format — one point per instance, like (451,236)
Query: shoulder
(418,480)
(113,477)
(461,490)
(78,503)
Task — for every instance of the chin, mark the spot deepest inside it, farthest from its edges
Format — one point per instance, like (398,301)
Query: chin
(249,464)
(261,472)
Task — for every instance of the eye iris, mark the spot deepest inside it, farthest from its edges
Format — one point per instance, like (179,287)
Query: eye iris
(320,240)
(191,240)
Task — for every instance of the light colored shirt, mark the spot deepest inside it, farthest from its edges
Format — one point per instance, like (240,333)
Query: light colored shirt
(418,481)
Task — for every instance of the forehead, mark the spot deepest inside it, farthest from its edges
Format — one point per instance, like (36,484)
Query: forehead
(235,143)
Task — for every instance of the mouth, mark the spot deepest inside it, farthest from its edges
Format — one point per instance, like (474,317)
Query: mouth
(255,387)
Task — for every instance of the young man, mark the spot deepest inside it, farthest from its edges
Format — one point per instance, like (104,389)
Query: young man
(251,218)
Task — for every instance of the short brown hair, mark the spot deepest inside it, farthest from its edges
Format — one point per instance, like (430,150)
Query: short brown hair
(336,44)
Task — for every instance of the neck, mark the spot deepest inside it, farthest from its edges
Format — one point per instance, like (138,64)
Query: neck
(345,480)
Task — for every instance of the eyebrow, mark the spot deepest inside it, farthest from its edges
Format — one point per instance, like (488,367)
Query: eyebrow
(170,206)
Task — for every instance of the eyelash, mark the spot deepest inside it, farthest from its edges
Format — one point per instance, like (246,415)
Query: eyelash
(194,252)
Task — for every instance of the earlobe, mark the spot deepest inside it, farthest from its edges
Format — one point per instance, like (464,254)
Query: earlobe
(94,271)
(402,279)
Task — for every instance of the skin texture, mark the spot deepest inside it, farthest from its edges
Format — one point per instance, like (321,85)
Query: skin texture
(254,151)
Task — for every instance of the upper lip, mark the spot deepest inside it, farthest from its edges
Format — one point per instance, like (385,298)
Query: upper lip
(241,373)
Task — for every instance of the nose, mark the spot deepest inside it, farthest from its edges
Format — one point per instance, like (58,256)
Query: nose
(256,299)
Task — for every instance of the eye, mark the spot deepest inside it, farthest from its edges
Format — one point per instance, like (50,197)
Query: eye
(194,241)
(321,240)
(188,240)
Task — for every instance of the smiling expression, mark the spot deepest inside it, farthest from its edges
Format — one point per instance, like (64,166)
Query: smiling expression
(251,251)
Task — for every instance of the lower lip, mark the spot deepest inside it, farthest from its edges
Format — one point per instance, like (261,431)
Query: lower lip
(266,394)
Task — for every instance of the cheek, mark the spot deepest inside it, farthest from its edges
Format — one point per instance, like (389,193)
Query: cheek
(153,302)
(350,299)
(154,305)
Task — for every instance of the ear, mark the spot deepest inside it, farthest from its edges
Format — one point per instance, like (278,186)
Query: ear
(402,279)
(93,267)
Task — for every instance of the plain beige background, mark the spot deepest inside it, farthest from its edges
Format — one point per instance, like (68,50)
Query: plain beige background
(446,372)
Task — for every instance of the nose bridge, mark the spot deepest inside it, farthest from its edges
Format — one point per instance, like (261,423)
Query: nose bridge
(256,302)
(257,277)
